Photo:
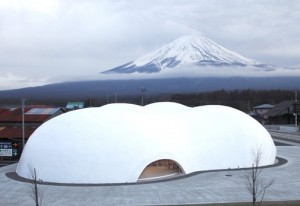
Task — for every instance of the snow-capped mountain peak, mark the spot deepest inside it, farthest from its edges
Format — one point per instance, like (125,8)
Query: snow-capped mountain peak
(187,50)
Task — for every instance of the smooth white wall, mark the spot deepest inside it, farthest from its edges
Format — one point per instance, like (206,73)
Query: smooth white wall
(114,143)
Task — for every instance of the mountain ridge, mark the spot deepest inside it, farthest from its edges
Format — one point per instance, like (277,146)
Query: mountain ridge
(103,88)
(187,50)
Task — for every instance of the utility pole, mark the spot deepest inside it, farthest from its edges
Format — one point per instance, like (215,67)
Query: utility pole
(142,89)
(248,106)
(23,123)
(116,97)
(296,114)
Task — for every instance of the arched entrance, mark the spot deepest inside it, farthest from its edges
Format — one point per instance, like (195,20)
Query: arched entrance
(163,168)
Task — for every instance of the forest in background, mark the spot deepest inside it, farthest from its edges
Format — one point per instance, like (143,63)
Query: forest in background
(243,100)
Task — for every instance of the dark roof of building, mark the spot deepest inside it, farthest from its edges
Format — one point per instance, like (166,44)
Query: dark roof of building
(284,107)
(37,115)
(15,132)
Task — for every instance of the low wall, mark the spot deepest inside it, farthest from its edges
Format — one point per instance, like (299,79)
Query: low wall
(283,128)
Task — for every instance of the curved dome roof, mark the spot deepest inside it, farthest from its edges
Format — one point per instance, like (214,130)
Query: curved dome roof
(115,143)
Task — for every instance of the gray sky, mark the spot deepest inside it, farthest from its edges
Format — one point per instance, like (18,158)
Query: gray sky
(57,40)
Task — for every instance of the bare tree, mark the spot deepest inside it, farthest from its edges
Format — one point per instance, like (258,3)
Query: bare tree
(35,192)
(253,180)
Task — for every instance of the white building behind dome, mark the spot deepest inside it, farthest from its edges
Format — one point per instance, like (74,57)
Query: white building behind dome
(115,143)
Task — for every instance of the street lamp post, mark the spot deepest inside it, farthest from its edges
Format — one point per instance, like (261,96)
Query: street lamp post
(23,124)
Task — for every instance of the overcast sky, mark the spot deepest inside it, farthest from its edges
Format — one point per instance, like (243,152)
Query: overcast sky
(57,40)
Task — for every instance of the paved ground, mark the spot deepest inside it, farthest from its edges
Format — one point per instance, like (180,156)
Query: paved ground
(293,139)
(271,203)
(205,189)
(213,187)
(6,162)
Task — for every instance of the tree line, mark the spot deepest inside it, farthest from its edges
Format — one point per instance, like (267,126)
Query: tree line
(243,100)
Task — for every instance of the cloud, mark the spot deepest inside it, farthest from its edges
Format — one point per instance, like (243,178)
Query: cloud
(64,38)
(46,6)
(209,71)
(11,81)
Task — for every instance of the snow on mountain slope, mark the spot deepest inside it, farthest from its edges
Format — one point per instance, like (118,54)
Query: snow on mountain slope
(187,50)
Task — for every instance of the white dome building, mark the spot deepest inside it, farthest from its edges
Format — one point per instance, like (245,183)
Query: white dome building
(115,143)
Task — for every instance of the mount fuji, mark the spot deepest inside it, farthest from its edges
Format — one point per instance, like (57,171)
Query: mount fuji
(190,50)
(186,65)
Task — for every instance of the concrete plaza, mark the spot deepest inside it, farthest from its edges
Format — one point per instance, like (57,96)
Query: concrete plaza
(208,187)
